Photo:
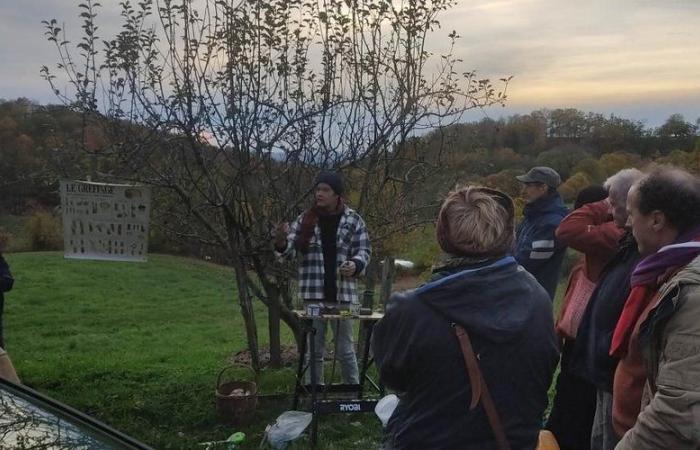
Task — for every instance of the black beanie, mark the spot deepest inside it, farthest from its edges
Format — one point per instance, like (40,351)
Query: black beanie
(590,194)
(332,179)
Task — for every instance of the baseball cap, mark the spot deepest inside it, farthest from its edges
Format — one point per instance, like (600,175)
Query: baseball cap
(541,174)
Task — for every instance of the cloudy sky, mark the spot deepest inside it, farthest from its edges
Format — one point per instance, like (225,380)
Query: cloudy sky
(638,59)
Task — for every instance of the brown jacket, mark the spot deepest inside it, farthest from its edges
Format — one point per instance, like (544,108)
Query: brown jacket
(670,342)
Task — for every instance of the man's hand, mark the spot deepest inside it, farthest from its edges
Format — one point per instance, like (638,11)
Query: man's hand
(281,233)
(347,269)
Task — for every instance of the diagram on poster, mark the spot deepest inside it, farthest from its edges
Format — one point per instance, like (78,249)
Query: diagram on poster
(105,221)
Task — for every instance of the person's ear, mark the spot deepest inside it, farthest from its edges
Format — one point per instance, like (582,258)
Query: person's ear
(658,220)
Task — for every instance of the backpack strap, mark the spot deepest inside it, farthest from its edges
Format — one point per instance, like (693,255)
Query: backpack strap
(480,390)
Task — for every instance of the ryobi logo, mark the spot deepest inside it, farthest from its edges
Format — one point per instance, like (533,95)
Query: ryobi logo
(349,407)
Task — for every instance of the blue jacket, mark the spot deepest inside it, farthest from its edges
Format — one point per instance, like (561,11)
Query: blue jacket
(509,319)
(537,248)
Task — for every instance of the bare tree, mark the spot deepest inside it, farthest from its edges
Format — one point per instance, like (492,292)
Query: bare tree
(231,106)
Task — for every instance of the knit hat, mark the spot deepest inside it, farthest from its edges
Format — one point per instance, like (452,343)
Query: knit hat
(590,194)
(332,179)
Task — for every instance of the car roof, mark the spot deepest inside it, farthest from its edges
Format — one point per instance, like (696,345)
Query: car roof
(30,418)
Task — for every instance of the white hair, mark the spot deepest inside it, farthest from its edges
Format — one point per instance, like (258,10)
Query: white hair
(622,181)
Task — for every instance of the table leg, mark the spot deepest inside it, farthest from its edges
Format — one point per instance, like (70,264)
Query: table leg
(365,355)
(300,369)
(312,368)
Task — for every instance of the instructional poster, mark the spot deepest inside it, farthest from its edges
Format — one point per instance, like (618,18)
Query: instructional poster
(105,221)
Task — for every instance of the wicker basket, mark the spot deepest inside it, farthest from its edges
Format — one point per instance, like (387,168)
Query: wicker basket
(233,407)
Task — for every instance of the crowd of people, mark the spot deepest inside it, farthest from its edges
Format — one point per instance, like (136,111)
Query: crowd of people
(472,353)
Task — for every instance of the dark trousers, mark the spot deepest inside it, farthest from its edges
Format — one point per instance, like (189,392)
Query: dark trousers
(573,409)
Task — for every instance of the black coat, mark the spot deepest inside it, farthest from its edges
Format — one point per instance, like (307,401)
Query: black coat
(6,282)
(508,316)
(590,357)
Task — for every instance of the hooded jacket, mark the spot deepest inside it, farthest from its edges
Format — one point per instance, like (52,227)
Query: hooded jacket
(508,316)
(537,248)
(670,342)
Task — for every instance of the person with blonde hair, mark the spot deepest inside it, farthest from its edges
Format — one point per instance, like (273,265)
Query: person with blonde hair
(479,291)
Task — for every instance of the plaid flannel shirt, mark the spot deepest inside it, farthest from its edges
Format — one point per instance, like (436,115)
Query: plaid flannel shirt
(352,242)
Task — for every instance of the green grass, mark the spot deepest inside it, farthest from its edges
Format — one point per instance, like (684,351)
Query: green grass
(139,345)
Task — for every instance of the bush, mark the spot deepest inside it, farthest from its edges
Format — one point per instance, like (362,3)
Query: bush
(44,231)
(5,237)
(570,188)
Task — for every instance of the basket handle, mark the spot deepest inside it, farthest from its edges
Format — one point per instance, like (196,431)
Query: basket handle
(231,366)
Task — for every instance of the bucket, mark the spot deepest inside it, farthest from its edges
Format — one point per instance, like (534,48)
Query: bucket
(236,400)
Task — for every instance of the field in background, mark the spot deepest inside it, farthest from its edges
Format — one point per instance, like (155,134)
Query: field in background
(139,345)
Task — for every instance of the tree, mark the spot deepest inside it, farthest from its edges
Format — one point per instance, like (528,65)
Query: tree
(571,187)
(676,134)
(562,158)
(526,134)
(232,106)
(567,123)
(676,127)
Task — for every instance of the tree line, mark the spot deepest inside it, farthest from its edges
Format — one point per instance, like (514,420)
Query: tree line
(41,144)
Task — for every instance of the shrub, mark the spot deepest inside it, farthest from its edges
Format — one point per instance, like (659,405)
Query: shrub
(44,231)
(5,237)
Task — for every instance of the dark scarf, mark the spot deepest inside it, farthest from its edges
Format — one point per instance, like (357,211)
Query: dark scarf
(650,273)
(309,221)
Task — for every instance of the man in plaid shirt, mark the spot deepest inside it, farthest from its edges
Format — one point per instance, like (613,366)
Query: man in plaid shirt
(331,245)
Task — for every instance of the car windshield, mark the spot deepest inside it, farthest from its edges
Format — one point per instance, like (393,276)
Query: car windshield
(31,421)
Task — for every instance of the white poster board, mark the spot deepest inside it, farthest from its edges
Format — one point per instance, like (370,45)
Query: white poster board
(105,221)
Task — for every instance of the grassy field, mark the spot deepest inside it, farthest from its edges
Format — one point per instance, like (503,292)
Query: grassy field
(139,345)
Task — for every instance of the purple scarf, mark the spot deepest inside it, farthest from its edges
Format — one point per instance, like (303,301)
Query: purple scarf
(678,254)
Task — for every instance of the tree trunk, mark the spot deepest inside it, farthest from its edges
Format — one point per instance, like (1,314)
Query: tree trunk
(247,313)
(273,325)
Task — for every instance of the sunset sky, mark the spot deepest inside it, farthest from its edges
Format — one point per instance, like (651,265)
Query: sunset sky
(638,59)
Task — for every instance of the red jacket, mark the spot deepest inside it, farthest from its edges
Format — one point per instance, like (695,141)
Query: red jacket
(591,231)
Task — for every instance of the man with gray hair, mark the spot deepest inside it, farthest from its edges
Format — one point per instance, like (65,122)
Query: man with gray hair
(589,357)
(590,230)
(618,186)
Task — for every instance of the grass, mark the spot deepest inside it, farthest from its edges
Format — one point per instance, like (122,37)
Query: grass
(139,345)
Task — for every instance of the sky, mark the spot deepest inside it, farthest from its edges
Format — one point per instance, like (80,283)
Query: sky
(638,59)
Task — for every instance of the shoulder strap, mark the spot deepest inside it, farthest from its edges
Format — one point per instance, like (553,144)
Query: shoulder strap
(480,390)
